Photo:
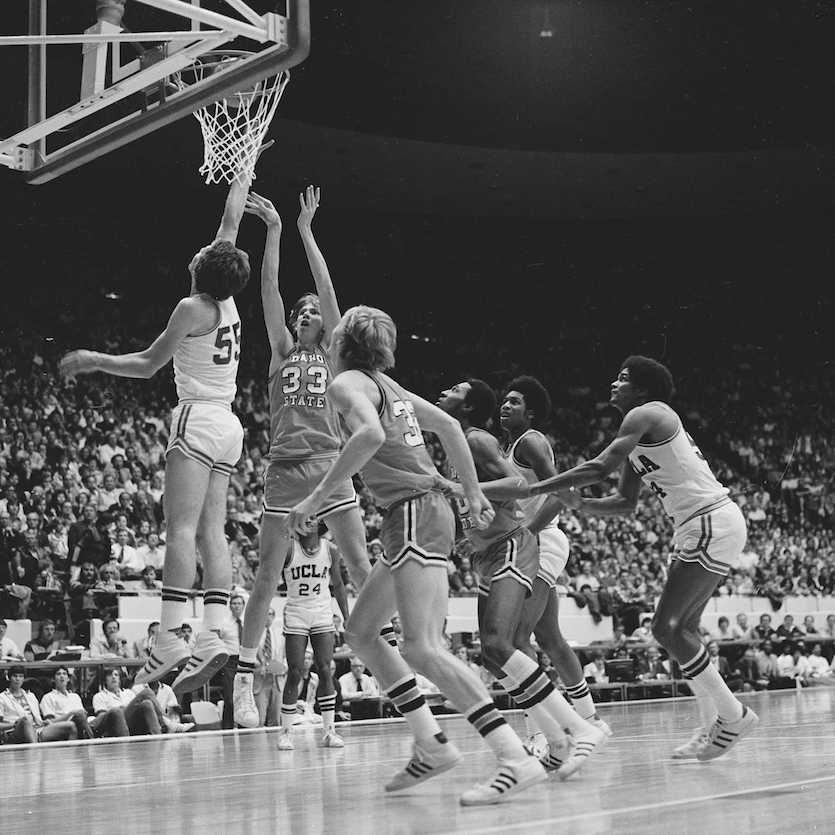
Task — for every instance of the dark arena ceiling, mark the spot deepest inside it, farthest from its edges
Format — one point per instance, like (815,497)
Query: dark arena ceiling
(562,108)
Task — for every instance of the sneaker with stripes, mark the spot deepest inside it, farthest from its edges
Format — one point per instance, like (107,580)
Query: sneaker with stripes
(585,744)
(208,657)
(723,735)
(556,753)
(508,780)
(332,740)
(689,749)
(170,653)
(424,765)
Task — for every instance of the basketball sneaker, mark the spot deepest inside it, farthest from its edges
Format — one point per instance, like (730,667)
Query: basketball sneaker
(208,656)
(601,725)
(424,765)
(285,741)
(170,652)
(246,711)
(556,753)
(536,745)
(584,745)
(332,740)
(689,749)
(509,779)
(722,735)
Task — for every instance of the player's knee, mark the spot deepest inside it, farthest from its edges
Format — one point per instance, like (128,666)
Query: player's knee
(666,627)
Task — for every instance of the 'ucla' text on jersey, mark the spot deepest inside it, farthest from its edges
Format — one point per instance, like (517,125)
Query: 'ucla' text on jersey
(677,472)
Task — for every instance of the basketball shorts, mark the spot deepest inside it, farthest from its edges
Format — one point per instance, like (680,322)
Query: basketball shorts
(288,482)
(207,433)
(714,540)
(515,557)
(308,619)
(421,529)
(553,554)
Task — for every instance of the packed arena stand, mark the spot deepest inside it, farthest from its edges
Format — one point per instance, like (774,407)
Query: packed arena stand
(81,469)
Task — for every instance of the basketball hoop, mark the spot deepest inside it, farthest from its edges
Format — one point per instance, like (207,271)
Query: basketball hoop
(234,126)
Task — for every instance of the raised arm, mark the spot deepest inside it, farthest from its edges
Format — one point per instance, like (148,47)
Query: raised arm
(275,314)
(190,315)
(233,210)
(309,201)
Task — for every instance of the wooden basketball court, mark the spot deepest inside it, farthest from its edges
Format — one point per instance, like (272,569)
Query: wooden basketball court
(779,780)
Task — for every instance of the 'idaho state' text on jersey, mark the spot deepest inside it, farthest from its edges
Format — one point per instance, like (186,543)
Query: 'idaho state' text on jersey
(303,423)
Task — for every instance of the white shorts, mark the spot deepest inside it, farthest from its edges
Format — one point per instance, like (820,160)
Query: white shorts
(207,433)
(553,554)
(310,619)
(714,540)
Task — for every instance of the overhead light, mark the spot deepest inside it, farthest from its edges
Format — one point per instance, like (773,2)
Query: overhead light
(546,33)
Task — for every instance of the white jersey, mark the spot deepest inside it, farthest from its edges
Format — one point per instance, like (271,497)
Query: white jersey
(206,365)
(308,576)
(533,503)
(678,474)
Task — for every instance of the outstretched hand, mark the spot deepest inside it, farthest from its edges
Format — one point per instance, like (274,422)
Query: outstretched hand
(300,520)
(75,363)
(257,205)
(309,202)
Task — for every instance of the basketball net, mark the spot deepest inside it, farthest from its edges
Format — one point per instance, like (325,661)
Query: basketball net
(234,127)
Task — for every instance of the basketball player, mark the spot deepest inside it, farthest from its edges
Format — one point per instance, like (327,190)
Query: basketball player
(310,570)
(305,436)
(506,560)
(384,422)
(525,406)
(203,336)
(652,447)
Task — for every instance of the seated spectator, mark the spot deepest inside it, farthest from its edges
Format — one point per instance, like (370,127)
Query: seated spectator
(651,667)
(62,705)
(187,634)
(82,602)
(763,629)
(9,650)
(111,644)
(809,627)
(17,703)
(148,579)
(791,665)
(48,597)
(143,647)
(17,579)
(747,674)
(106,592)
(357,683)
(143,714)
(723,631)
(643,634)
(788,629)
(248,567)
(829,629)
(469,585)
(767,661)
(817,666)
(44,646)
(718,661)
(741,631)
(126,557)
(152,552)
(595,671)
(463,654)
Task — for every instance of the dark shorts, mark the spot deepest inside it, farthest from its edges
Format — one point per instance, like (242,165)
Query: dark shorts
(421,529)
(288,482)
(515,557)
